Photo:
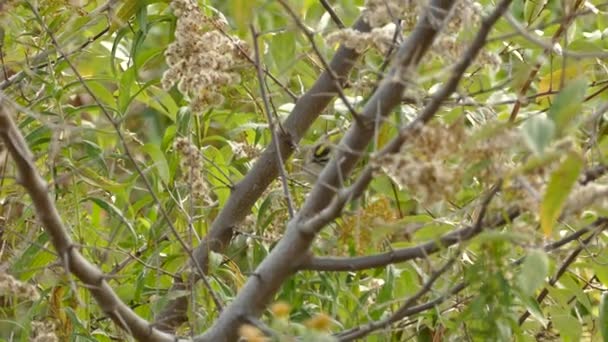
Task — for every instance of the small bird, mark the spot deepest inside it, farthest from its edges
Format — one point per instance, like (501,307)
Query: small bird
(316,160)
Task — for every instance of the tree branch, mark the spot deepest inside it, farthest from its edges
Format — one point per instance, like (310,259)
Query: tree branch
(404,254)
(264,171)
(288,253)
(560,272)
(71,258)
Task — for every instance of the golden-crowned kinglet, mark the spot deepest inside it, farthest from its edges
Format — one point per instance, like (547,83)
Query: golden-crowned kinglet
(316,159)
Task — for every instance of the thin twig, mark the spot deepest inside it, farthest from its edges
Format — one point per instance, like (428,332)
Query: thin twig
(271,126)
(334,16)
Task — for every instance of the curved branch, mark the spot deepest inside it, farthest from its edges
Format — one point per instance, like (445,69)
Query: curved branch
(73,261)
(264,171)
(289,252)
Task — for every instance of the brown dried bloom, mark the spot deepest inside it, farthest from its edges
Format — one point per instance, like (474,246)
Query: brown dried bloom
(451,48)
(191,164)
(44,331)
(359,228)
(202,59)
(466,14)
(380,12)
(11,287)
(433,165)
(380,38)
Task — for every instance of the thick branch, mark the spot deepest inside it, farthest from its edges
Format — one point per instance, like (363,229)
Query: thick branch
(265,170)
(284,258)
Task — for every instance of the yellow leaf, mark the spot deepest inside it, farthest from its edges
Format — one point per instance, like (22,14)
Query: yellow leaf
(553,80)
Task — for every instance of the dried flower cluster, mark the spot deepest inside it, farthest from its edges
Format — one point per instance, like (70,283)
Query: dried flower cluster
(433,165)
(44,331)
(466,14)
(380,12)
(451,48)
(191,164)
(360,227)
(380,38)
(12,287)
(202,59)
(244,150)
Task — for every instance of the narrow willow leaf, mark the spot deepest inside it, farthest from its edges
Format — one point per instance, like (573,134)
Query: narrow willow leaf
(560,184)
(160,162)
(603,320)
(533,272)
(114,211)
(124,91)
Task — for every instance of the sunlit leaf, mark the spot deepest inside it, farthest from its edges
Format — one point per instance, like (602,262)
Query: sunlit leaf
(555,78)
(560,184)
(160,162)
(603,316)
(533,272)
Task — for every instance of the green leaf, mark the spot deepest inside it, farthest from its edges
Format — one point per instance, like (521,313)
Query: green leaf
(101,92)
(534,309)
(538,133)
(567,104)
(160,162)
(604,316)
(533,272)
(532,9)
(560,184)
(113,210)
(124,91)
(34,257)
(568,326)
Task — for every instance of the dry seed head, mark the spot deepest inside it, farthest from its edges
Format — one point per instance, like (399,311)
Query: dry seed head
(191,164)
(9,286)
(202,60)
(433,164)
(380,12)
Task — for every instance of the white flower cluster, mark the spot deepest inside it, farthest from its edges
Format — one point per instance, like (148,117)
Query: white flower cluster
(9,286)
(191,164)
(202,59)
(380,38)
(380,12)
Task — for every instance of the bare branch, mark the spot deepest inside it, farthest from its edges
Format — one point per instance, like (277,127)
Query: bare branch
(548,46)
(334,16)
(271,126)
